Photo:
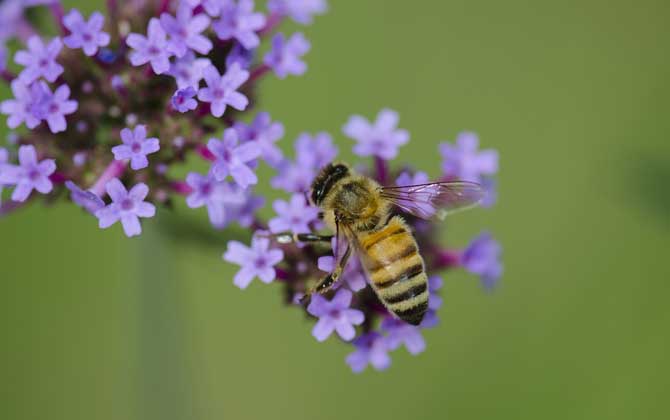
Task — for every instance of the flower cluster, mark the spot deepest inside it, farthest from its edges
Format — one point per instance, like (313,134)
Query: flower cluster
(105,109)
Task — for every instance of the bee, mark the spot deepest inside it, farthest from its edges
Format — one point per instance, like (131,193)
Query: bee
(360,212)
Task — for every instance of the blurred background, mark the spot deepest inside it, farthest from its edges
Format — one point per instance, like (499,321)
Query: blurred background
(575,96)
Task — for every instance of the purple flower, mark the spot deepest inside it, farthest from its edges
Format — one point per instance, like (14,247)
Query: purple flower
(136,146)
(216,195)
(463,160)
(491,192)
(212,7)
(222,90)
(239,21)
(380,139)
(183,100)
(232,158)
(294,216)
(40,60)
(430,319)
(371,348)
(28,175)
(186,31)
(256,261)
(11,18)
(407,178)
(293,177)
(300,11)
(315,151)
(245,214)
(22,108)
(53,107)
(284,58)
(482,257)
(86,35)
(3,56)
(87,200)
(400,332)
(335,315)
(188,70)
(152,48)
(4,158)
(353,272)
(242,56)
(265,133)
(126,206)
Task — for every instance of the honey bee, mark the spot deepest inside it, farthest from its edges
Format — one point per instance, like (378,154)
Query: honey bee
(359,211)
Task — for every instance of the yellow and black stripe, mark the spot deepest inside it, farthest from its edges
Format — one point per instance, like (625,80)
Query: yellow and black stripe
(396,270)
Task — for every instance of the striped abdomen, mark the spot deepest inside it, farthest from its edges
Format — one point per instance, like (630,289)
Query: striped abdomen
(391,258)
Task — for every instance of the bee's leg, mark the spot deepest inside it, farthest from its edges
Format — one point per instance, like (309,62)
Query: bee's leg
(288,237)
(329,281)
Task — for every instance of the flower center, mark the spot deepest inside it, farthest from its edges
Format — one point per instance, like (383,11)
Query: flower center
(34,174)
(53,108)
(206,188)
(334,313)
(136,147)
(87,37)
(153,50)
(127,204)
(43,62)
(218,93)
(260,262)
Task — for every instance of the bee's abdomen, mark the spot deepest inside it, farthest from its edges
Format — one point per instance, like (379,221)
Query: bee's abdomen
(396,270)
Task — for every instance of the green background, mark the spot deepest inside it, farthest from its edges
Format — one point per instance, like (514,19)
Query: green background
(574,95)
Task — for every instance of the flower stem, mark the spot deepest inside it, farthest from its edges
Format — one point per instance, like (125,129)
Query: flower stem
(180,187)
(10,206)
(446,259)
(271,23)
(164,7)
(204,152)
(258,72)
(7,76)
(382,169)
(58,13)
(114,170)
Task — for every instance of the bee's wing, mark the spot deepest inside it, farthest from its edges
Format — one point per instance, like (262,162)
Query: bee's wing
(436,199)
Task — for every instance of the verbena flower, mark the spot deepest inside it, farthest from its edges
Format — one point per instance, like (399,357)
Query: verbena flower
(217,196)
(255,261)
(151,48)
(335,316)
(188,70)
(40,60)
(21,109)
(401,333)
(284,58)
(87,35)
(240,55)
(136,146)
(301,11)
(54,106)
(315,151)
(30,174)
(126,206)
(183,101)
(239,21)
(265,133)
(185,31)
(371,349)
(381,138)
(85,199)
(482,257)
(294,215)
(233,158)
(221,91)
(464,161)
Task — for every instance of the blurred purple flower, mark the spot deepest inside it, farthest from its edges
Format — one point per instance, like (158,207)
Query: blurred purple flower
(232,158)
(255,261)
(381,139)
(222,90)
(188,70)
(463,160)
(136,146)
(335,315)
(407,178)
(86,35)
(185,31)
(238,20)
(371,348)
(126,206)
(40,60)
(293,177)
(400,332)
(4,158)
(284,57)
(265,133)
(245,214)
(315,151)
(430,319)
(88,200)
(28,175)
(53,107)
(183,101)
(3,56)
(294,216)
(300,11)
(482,257)
(150,49)
(491,192)
(22,108)
(216,195)
(240,55)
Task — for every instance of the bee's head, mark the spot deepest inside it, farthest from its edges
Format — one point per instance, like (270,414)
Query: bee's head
(327,178)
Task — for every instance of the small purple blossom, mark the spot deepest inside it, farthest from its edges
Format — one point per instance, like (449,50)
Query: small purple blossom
(188,70)
(86,35)
(381,138)
(185,31)
(30,174)
(150,49)
(242,56)
(464,161)
(294,216)
(430,319)
(21,109)
(238,20)
(126,206)
(183,100)
(232,158)
(301,11)
(482,257)
(255,261)
(3,56)
(265,133)
(371,348)
(40,60)
(335,315)
(222,90)
(315,151)
(87,200)
(136,146)
(284,58)
(215,195)
(53,107)
(399,332)
(245,214)
(293,177)
(490,186)
(212,7)
(4,158)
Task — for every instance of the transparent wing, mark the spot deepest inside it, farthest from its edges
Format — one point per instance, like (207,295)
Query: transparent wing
(435,200)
